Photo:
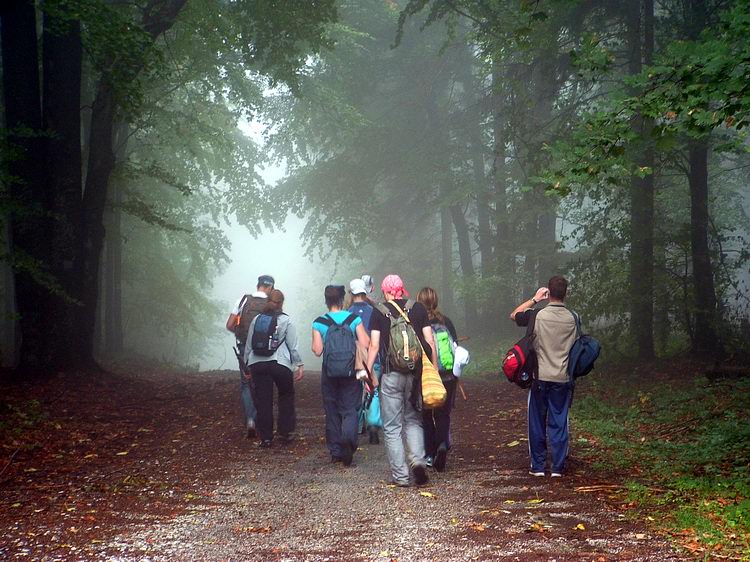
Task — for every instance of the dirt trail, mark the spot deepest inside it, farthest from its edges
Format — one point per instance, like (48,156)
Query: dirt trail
(156,468)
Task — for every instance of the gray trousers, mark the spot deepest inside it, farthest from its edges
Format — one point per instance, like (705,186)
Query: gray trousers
(402,424)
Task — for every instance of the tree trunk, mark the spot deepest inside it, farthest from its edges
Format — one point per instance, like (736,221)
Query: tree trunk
(446,263)
(641,200)
(706,340)
(503,250)
(112,302)
(62,116)
(159,16)
(29,223)
(467,266)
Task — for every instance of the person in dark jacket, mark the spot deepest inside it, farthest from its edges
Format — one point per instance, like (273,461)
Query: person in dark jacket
(436,422)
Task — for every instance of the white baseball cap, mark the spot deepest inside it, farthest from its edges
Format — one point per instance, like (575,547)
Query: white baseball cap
(357,287)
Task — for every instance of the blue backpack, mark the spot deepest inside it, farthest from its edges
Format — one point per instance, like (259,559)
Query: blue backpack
(364,311)
(339,347)
(583,354)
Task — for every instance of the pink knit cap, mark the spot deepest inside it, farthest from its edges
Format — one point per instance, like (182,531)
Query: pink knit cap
(393,285)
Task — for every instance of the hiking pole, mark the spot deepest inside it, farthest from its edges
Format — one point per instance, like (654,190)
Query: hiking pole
(461,388)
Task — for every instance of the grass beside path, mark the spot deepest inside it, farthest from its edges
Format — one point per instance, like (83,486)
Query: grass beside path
(680,444)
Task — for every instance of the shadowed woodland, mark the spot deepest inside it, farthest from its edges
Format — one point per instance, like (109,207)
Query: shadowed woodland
(476,146)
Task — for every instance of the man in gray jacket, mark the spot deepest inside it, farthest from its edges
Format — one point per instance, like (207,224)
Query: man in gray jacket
(551,392)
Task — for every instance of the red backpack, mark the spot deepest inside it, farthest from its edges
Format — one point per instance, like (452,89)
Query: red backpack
(520,363)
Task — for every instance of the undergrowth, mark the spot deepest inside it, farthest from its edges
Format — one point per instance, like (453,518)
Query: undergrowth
(686,451)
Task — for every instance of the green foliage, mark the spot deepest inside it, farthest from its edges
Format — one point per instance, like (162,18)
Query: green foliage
(691,440)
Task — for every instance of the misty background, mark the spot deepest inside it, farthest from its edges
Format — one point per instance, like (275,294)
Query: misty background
(157,162)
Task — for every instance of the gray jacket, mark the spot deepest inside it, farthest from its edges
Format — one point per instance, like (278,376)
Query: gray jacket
(287,354)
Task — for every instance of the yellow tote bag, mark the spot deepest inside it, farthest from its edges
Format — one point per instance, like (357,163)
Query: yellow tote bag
(433,391)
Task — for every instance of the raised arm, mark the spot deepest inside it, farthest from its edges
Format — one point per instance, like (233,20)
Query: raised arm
(541,294)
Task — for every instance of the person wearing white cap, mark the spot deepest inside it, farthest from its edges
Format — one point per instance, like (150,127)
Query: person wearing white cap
(362,307)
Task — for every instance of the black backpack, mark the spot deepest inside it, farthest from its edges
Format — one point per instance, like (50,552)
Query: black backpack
(266,338)
(339,347)
(250,307)
(520,364)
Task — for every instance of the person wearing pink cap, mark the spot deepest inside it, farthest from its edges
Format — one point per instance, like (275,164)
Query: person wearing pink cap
(400,391)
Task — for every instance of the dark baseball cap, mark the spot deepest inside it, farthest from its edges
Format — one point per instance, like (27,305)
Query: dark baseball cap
(266,280)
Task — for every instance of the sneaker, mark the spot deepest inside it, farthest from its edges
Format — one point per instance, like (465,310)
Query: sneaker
(441,457)
(420,475)
(250,429)
(334,460)
(286,439)
(265,444)
(428,461)
(537,473)
(346,454)
(556,475)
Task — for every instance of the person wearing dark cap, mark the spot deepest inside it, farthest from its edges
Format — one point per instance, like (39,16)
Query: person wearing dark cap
(334,336)
(242,315)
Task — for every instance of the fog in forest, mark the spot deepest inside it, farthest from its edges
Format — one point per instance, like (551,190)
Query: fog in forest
(475,150)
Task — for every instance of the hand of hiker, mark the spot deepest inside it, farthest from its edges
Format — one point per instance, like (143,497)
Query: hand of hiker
(299,374)
(541,294)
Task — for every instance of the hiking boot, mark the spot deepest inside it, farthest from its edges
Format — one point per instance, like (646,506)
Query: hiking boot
(346,454)
(250,428)
(420,475)
(537,473)
(286,439)
(265,444)
(440,457)
(374,438)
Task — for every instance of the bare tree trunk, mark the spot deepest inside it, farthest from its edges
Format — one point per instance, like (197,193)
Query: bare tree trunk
(446,262)
(62,115)
(467,266)
(642,200)
(29,224)
(706,340)
(504,252)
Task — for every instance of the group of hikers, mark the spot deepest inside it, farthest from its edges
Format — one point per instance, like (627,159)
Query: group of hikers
(376,360)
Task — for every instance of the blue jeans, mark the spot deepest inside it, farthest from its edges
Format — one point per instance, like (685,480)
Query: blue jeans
(247,397)
(401,422)
(549,403)
(342,398)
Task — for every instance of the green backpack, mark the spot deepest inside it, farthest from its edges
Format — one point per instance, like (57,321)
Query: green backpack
(445,345)
(404,349)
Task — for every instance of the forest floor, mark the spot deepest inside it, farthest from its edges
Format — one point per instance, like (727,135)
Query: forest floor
(155,466)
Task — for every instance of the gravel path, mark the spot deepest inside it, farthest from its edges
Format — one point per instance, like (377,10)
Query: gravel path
(203,492)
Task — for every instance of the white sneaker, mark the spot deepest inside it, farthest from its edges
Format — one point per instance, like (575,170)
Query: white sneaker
(539,474)
(250,429)
(556,475)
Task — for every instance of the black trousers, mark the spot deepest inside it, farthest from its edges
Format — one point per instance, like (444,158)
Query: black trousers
(436,423)
(267,374)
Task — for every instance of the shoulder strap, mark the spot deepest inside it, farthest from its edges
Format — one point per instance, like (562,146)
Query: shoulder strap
(326,320)
(243,302)
(532,322)
(384,309)
(349,319)
(409,304)
(401,311)
(578,323)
